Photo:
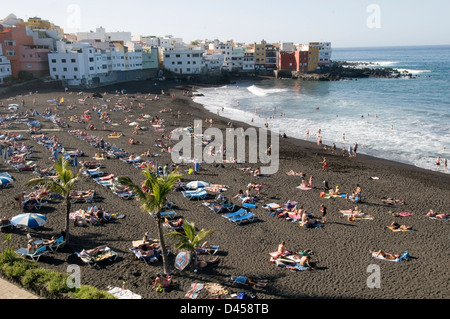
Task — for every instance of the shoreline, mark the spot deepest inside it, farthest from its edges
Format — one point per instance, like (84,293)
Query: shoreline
(342,247)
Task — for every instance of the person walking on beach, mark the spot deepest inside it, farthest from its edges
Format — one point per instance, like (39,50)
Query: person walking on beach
(354,149)
(324,163)
(323,209)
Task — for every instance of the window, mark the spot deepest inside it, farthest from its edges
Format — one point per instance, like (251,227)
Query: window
(53,60)
(179,62)
(177,55)
(10,52)
(91,59)
(54,69)
(63,61)
(75,69)
(10,43)
(73,60)
(167,56)
(91,68)
(65,69)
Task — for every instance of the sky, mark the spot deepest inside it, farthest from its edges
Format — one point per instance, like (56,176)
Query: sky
(344,23)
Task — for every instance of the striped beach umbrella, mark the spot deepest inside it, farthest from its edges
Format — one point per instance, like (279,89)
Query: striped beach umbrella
(30,220)
(182,260)
(197,184)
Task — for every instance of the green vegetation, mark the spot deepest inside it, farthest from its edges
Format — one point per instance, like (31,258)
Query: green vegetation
(29,273)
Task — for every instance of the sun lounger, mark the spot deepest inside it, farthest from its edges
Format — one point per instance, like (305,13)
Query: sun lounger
(34,256)
(60,242)
(148,259)
(246,217)
(107,254)
(240,212)
(208,250)
(124,195)
(93,172)
(168,214)
(197,194)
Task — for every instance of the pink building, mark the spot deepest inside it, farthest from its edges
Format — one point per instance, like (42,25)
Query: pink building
(24,55)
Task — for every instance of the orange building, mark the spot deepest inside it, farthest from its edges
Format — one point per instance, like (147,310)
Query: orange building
(19,49)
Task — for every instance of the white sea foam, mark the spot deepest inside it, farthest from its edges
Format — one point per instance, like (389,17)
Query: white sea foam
(413,139)
(264,92)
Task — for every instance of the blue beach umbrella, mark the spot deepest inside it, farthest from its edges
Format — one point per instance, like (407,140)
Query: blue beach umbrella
(30,220)
(4,180)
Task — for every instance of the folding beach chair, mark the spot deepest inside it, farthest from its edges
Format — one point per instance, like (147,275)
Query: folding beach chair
(197,194)
(246,217)
(60,242)
(240,212)
(34,256)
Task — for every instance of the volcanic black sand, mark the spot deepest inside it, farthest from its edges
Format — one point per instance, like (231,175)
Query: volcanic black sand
(341,247)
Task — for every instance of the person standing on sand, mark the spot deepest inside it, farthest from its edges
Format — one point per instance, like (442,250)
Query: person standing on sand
(324,163)
(323,209)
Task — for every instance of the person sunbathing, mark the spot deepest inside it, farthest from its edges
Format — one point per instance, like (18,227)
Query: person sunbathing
(175,224)
(95,251)
(393,201)
(385,255)
(395,225)
(162,281)
(204,264)
(282,250)
(47,242)
(305,261)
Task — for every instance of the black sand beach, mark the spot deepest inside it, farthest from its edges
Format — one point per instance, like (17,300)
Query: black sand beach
(341,247)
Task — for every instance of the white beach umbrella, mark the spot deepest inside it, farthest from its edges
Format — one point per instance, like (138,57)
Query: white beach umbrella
(30,220)
(197,184)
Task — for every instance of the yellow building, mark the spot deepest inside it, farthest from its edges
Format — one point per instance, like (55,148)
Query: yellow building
(39,24)
(313,57)
(260,54)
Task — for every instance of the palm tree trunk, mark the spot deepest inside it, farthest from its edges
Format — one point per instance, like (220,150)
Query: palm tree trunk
(68,209)
(162,242)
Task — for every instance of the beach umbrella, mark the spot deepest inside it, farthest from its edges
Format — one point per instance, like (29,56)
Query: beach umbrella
(197,184)
(5,180)
(182,260)
(30,220)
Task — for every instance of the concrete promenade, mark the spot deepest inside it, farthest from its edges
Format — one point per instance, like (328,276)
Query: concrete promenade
(11,291)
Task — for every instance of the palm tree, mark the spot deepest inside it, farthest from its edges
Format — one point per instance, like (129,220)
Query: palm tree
(190,240)
(153,196)
(63,185)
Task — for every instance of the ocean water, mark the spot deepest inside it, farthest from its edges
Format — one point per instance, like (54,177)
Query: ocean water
(405,120)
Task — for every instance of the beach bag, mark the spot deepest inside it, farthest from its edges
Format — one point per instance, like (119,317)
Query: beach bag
(242,295)
(406,255)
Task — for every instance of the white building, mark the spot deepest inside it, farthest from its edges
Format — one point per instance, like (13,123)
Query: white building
(133,56)
(183,61)
(324,52)
(5,67)
(103,36)
(249,60)
(224,49)
(77,64)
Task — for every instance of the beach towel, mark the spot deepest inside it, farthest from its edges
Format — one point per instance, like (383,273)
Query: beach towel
(398,229)
(304,188)
(404,214)
(194,290)
(121,293)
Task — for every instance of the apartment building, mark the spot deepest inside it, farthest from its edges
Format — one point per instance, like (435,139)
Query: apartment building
(183,61)
(5,67)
